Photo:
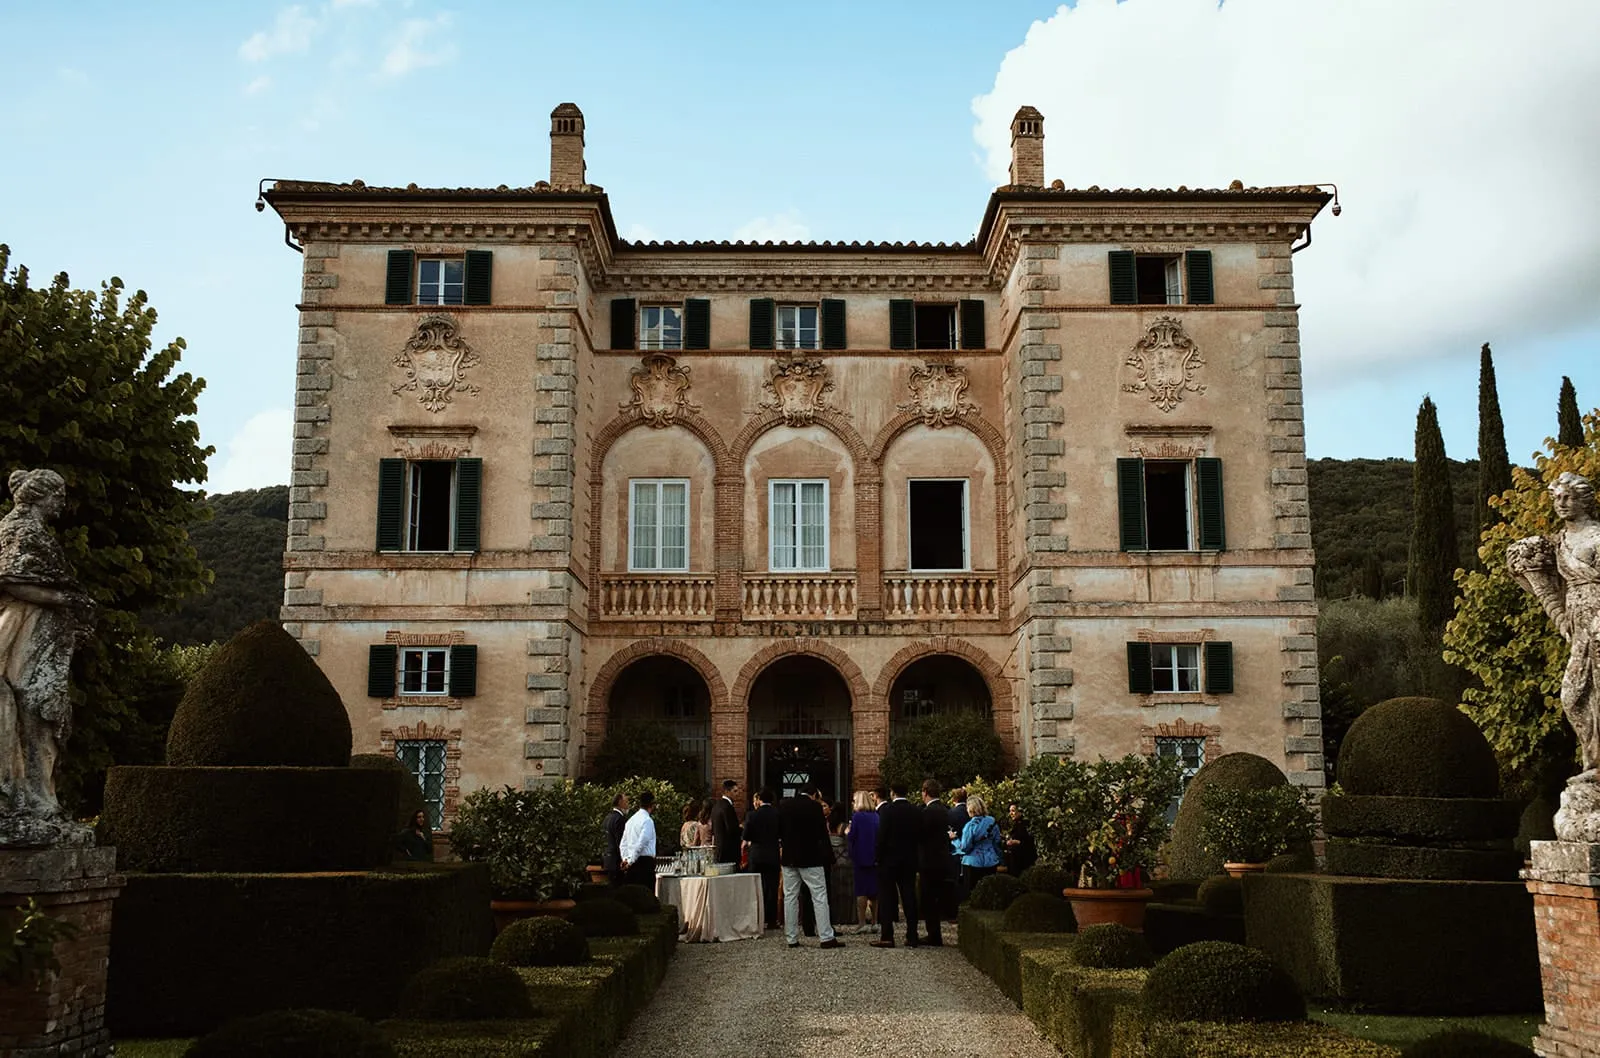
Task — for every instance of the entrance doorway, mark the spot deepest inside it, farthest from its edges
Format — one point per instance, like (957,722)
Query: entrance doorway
(659,691)
(800,729)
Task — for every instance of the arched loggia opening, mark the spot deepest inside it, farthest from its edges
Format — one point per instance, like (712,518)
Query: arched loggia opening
(668,691)
(939,683)
(800,728)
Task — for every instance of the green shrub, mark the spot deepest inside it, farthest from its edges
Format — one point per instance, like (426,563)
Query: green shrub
(1217,981)
(260,700)
(670,800)
(1110,946)
(28,936)
(1221,895)
(1252,826)
(408,800)
(537,842)
(465,988)
(1187,856)
(648,747)
(1297,862)
(1420,820)
(996,893)
(1417,747)
(950,747)
(604,918)
(593,891)
(1465,1043)
(1038,913)
(1042,878)
(1100,819)
(301,1033)
(541,941)
(637,899)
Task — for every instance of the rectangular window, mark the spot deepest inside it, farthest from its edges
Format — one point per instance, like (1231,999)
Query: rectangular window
(658,525)
(1166,505)
(936,326)
(1190,752)
(1161,278)
(1158,279)
(1171,505)
(797,327)
(424,758)
(1175,668)
(424,670)
(937,526)
(430,505)
(798,522)
(660,327)
(441,281)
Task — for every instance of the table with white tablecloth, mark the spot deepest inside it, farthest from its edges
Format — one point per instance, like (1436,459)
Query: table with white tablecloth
(722,907)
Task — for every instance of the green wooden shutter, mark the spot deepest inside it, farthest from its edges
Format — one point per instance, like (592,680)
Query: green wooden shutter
(480,269)
(469,504)
(972,336)
(1197,268)
(1213,529)
(902,324)
(1130,503)
(463,671)
(1124,285)
(697,323)
(391,503)
(833,332)
(397,285)
(1219,668)
(1139,681)
(624,318)
(763,323)
(381,661)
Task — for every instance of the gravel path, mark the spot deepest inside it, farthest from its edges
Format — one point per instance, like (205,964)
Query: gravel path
(758,999)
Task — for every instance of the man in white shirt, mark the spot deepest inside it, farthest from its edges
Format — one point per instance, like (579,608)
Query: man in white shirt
(638,849)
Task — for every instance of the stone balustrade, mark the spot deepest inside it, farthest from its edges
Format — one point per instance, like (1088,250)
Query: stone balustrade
(657,596)
(909,596)
(811,596)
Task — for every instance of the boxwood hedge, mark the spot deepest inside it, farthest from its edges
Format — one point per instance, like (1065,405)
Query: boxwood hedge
(1380,860)
(1420,820)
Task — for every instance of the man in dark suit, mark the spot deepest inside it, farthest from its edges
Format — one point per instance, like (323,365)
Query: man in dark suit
(804,852)
(899,825)
(611,857)
(725,824)
(761,839)
(933,860)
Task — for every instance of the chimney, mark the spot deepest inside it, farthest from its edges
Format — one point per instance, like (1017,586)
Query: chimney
(566,146)
(1027,148)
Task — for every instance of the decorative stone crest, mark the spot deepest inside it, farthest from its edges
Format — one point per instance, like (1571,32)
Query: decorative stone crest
(1164,364)
(938,393)
(797,389)
(660,390)
(435,361)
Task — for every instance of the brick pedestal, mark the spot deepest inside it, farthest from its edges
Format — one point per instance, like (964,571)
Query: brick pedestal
(64,1014)
(1565,883)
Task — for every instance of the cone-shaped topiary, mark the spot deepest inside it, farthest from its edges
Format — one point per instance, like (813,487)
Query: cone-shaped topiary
(996,893)
(260,700)
(304,1033)
(1221,895)
(1042,878)
(465,988)
(409,802)
(637,899)
(1111,946)
(604,918)
(541,941)
(1187,855)
(1465,1043)
(1038,913)
(1417,747)
(1216,981)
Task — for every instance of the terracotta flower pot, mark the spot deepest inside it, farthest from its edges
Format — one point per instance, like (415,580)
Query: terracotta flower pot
(1094,907)
(1239,870)
(597,874)
(508,911)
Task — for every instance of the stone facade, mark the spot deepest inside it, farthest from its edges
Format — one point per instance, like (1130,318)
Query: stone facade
(999,367)
(1564,878)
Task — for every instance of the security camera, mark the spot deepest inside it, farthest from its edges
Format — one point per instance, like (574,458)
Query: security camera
(1337,209)
(261,205)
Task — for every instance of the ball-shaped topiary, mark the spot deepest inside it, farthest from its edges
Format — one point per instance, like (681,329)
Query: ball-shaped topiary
(1038,913)
(1216,981)
(409,802)
(1043,878)
(1111,946)
(541,941)
(593,891)
(465,988)
(305,1033)
(1221,895)
(1465,1043)
(1417,747)
(996,893)
(637,899)
(1187,856)
(604,918)
(260,701)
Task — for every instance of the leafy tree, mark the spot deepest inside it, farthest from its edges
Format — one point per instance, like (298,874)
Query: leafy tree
(1372,577)
(86,396)
(1434,554)
(1570,425)
(1502,636)
(1367,652)
(1494,466)
(950,747)
(647,747)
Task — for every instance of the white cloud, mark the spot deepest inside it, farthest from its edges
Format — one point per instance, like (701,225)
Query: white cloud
(415,47)
(289,35)
(782,227)
(1463,135)
(256,456)
(257,86)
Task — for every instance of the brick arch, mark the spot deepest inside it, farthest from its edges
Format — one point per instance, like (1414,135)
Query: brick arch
(599,704)
(868,718)
(829,419)
(860,692)
(1002,699)
(985,430)
(691,421)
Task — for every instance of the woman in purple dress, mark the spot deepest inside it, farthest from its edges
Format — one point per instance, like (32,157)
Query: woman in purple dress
(862,836)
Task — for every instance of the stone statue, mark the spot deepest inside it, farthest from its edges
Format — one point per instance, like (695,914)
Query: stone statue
(44,615)
(1563,573)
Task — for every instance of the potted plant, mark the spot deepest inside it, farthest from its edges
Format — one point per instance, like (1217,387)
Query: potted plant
(536,843)
(1104,822)
(1249,827)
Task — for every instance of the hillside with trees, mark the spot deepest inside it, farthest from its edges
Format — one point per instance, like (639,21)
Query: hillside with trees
(243,545)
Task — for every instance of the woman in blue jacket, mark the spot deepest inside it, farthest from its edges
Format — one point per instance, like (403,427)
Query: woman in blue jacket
(980,844)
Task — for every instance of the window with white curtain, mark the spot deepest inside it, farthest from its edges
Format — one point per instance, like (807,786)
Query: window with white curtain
(799,526)
(658,525)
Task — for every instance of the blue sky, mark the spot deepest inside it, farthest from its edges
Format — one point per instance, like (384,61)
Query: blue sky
(1462,134)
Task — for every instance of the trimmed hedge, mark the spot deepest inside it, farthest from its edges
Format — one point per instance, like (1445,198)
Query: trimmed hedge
(1417,747)
(1042,878)
(260,701)
(1222,895)
(1038,913)
(408,797)
(541,941)
(996,893)
(999,953)
(604,918)
(1465,1043)
(1377,860)
(1083,1010)
(195,950)
(1110,946)
(466,988)
(637,898)
(1420,820)
(1187,856)
(1284,1039)
(1221,982)
(172,820)
(303,1033)
(1168,927)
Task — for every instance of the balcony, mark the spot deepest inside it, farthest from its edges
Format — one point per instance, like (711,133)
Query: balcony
(914,596)
(800,597)
(656,596)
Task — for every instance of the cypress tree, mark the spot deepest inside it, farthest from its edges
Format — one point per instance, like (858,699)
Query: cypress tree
(1434,554)
(1570,432)
(1372,577)
(1494,466)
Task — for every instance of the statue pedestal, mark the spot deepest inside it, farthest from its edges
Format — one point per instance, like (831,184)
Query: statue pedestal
(1565,883)
(64,1013)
